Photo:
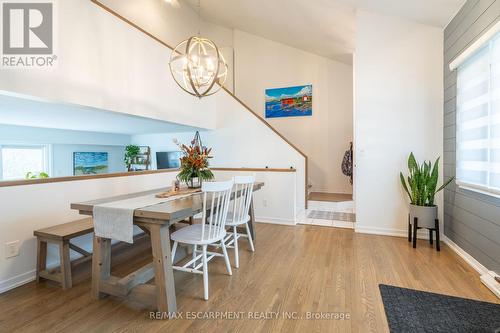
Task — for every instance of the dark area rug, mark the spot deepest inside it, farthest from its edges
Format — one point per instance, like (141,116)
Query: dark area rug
(409,310)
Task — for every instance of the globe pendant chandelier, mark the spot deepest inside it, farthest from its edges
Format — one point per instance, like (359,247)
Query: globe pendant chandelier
(198,66)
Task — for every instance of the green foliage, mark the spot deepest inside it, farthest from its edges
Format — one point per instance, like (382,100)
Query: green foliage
(131,152)
(39,175)
(186,174)
(421,184)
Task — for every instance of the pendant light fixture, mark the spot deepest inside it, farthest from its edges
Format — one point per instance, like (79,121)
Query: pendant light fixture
(197,65)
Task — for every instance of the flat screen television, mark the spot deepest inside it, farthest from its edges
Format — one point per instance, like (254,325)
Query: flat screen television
(168,159)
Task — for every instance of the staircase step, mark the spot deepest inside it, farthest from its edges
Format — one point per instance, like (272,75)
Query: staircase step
(341,206)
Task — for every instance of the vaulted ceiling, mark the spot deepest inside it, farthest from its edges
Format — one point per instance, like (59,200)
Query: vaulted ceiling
(324,27)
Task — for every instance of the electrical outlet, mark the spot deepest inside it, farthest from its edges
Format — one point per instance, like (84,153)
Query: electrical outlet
(264,203)
(12,249)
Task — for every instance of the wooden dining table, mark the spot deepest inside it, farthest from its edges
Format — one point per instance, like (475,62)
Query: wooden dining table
(155,221)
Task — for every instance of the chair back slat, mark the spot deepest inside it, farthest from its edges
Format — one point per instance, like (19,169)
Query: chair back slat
(243,197)
(216,195)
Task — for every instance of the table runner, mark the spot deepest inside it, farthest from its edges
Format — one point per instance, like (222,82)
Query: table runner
(115,220)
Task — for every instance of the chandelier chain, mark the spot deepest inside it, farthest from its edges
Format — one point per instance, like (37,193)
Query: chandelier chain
(199,17)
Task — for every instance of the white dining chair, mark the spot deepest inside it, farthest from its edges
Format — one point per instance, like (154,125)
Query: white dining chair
(240,214)
(211,231)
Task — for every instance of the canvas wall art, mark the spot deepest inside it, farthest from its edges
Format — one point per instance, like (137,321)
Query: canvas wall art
(89,163)
(289,102)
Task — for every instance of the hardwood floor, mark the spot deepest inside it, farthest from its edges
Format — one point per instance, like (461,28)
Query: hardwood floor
(296,269)
(331,197)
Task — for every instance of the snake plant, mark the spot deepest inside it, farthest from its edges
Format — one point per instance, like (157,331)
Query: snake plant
(422,182)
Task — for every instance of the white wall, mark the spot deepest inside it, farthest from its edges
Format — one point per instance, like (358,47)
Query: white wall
(273,203)
(104,63)
(323,137)
(241,140)
(398,109)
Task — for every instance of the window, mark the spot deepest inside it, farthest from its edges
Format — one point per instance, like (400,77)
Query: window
(478,119)
(17,160)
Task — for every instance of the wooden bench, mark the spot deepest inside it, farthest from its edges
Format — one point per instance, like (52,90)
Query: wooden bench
(61,235)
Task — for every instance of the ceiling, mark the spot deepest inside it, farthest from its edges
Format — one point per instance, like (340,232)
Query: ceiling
(324,27)
(25,111)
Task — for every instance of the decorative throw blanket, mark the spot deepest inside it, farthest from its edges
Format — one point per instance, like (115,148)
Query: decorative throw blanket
(115,219)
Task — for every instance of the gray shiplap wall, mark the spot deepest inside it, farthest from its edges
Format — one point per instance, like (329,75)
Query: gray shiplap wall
(471,220)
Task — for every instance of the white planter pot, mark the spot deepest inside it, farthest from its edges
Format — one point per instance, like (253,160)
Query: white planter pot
(426,215)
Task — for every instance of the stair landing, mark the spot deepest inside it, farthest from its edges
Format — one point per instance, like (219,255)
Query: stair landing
(329,210)
(329,197)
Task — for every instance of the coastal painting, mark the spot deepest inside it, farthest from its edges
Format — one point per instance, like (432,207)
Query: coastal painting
(289,102)
(89,163)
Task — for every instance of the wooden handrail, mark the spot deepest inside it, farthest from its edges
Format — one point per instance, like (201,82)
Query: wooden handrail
(22,182)
(82,177)
(132,24)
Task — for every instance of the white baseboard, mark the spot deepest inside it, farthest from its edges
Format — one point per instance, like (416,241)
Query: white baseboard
(17,281)
(487,277)
(489,281)
(478,267)
(274,220)
(421,234)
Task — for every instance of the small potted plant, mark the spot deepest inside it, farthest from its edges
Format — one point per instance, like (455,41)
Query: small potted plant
(194,164)
(36,175)
(131,153)
(421,189)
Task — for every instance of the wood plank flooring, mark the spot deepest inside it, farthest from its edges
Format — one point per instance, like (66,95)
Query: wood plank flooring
(294,269)
(331,197)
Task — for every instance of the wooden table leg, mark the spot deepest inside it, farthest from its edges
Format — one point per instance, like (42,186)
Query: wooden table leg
(252,220)
(164,274)
(65,265)
(41,259)
(101,264)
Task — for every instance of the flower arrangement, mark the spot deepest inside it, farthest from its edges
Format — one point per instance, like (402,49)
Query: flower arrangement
(194,163)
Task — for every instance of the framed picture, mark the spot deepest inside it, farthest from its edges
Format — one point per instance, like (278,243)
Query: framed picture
(89,163)
(289,102)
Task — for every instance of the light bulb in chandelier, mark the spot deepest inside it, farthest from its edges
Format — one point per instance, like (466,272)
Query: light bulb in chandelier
(198,66)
